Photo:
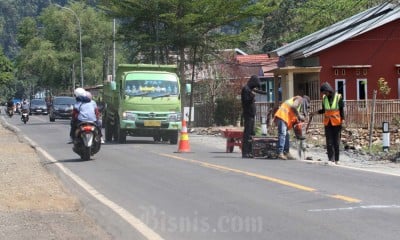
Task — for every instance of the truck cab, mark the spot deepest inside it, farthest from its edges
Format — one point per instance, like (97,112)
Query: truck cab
(143,101)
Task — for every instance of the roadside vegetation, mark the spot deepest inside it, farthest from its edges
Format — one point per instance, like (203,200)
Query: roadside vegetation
(44,44)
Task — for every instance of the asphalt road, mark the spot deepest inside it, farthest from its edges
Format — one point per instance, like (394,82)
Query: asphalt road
(145,190)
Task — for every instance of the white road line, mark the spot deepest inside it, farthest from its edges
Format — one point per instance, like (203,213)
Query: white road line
(123,213)
(380,171)
(354,208)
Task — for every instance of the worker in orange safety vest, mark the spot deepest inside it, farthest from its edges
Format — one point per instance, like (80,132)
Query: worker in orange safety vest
(290,112)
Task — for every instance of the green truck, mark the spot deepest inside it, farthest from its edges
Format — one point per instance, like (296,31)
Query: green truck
(143,101)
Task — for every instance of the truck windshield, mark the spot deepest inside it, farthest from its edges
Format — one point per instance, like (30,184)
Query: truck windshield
(151,88)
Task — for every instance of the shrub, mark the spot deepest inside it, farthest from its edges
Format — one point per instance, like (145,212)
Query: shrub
(383,87)
(227,111)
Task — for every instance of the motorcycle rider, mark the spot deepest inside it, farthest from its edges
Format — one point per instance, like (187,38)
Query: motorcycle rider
(98,115)
(83,111)
(24,107)
(18,108)
(10,105)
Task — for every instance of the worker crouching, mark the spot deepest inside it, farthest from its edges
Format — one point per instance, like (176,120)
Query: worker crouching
(290,112)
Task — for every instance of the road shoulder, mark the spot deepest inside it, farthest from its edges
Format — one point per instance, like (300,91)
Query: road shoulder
(34,204)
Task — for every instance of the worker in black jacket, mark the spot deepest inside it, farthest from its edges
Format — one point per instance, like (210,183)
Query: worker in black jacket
(249,113)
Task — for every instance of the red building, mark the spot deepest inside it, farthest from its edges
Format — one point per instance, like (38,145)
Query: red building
(351,55)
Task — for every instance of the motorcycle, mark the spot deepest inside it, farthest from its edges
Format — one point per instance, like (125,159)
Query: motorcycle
(18,108)
(87,140)
(24,116)
(10,111)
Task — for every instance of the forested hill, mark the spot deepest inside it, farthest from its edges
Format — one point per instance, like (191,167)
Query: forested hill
(284,20)
(50,47)
(12,12)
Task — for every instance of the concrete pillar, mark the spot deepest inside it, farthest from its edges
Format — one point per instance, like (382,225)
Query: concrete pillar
(287,86)
(290,82)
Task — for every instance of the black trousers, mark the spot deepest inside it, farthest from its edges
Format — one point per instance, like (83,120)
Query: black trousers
(332,137)
(247,134)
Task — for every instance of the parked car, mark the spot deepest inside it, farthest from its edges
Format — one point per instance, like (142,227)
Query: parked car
(61,108)
(38,106)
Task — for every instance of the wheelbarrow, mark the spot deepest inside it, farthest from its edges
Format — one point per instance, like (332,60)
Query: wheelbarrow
(233,138)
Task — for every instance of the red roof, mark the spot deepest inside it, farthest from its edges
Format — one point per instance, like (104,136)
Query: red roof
(259,60)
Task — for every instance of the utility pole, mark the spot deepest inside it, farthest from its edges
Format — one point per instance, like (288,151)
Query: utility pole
(80,38)
(113,70)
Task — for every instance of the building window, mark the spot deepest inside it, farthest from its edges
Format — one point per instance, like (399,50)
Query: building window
(336,72)
(365,71)
(398,88)
(358,72)
(267,85)
(340,86)
(343,71)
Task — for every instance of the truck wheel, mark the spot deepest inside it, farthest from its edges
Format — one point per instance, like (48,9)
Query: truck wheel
(108,131)
(157,139)
(173,138)
(120,135)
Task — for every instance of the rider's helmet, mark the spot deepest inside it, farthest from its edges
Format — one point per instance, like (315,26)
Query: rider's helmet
(79,92)
(89,95)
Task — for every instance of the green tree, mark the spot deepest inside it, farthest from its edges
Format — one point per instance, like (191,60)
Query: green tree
(39,61)
(293,19)
(51,54)
(27,30)
(6,69)
(11,13)
(6,76)
(155,29)
(321,13)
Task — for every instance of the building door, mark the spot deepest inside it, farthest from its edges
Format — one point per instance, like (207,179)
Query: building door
(362,90)
(340,86)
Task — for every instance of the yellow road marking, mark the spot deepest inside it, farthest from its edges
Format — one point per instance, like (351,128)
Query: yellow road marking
(259,176)
(345,198)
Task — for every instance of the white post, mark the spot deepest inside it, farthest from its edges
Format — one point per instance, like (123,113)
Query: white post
(385,136)
(263,126)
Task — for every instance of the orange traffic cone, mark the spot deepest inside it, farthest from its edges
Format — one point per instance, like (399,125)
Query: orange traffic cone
(184,139)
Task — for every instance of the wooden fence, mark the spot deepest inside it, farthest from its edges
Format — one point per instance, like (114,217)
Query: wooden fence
(357,113)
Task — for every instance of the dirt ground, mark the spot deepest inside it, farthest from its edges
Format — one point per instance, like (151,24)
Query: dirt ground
(26,185)
(33,202)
